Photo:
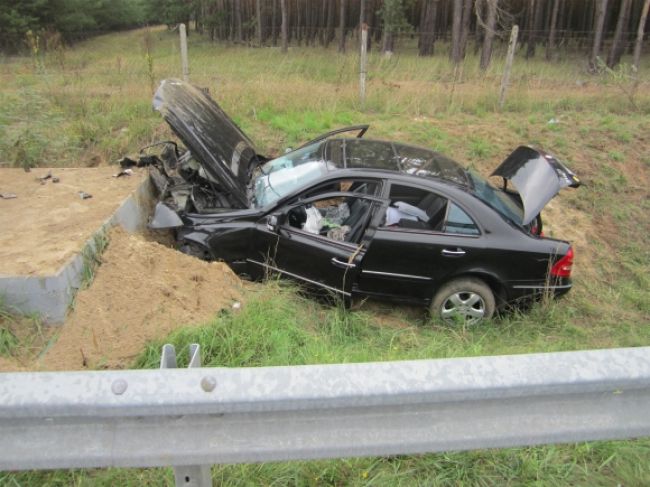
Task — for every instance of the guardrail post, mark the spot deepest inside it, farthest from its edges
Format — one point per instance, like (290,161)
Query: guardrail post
(189,475)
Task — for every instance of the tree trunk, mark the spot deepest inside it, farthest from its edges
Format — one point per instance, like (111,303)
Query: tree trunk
(258,27)
(490,24)
(464,31)
(283,28)
(618,47)
(601,9)
(274,28)
(479,30)
(550,47)
(387,41)
(536,13)
(455,51)
(427,28)
(330,34)
(238,28)
(639,34)
(342,27)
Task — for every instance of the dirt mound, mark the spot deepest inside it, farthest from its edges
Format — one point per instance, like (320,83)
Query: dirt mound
(141,291)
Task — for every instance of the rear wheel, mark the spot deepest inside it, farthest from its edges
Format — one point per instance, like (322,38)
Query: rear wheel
(465,300)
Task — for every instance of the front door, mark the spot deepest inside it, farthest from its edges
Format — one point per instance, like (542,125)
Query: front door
(320,241)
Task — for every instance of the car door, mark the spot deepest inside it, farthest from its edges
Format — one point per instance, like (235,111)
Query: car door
(408,258)
(319,240)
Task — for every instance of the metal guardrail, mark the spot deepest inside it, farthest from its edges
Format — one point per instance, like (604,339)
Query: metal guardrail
(202,416)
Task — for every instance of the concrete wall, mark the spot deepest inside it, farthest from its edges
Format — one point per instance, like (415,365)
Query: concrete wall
(51,296)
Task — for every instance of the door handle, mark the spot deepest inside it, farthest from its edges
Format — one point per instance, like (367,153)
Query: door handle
(339,263)
(458,252)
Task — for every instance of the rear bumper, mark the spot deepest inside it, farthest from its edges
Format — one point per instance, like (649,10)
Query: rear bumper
(535,290)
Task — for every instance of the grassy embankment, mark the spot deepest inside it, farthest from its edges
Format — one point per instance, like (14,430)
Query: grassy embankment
(91,104)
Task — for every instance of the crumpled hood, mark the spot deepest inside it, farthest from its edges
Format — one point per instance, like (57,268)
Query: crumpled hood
(226,154)
(538,177)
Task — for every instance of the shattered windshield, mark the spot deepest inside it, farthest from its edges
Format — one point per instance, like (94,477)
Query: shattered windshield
(279,177)
(496,198)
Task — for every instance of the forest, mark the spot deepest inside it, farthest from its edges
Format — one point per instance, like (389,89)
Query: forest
(598,28)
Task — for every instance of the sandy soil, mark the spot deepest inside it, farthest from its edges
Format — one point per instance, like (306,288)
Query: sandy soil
(46,224)
(141,291)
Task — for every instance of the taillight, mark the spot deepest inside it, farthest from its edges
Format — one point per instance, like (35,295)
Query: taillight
(562,268)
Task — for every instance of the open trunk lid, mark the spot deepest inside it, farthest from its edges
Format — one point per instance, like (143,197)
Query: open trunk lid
(538,177)
(226,154)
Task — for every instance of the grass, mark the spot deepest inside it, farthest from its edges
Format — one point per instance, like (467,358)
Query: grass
(22,337)
(278,326)
(97,95)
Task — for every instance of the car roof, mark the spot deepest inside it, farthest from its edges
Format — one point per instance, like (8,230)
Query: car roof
(395,157)
(399,177)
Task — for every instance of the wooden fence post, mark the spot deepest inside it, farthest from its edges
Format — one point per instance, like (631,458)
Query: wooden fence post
(184,62)
(506,71)
(363,58)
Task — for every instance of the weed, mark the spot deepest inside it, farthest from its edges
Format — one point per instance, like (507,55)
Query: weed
(91,257)
(20,335)
(616,156)
(480,148)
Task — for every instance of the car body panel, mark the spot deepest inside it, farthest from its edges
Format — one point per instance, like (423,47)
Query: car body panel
(538,177)
(225,153)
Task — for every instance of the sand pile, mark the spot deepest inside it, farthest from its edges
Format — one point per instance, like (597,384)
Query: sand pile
(141,291)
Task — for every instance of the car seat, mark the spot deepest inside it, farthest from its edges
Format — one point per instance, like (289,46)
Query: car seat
(356,221)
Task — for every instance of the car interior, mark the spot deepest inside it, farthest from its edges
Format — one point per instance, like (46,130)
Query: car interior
(340,218)
(430,204)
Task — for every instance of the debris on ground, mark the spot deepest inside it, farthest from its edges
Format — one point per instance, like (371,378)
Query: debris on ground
(84,196)
(123,172)
(42,179)
(8,196)
(141,291)
(56,179)
(127,162)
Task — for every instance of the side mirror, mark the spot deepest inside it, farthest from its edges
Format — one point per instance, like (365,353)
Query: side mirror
(272,223)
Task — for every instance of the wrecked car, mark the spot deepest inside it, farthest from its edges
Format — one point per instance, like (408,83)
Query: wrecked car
(359,217)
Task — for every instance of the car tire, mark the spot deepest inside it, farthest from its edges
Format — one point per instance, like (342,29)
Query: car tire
(464,300)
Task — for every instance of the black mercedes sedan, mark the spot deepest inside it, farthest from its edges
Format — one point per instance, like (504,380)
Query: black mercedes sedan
(358,217)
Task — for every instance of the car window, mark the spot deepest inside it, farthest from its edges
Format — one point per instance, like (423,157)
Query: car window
(339,218)
(279,177)
(366,153)
(415,209)
(459,222)
(497,198)
(359,186)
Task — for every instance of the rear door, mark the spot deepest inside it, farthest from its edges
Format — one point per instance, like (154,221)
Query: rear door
(408,258)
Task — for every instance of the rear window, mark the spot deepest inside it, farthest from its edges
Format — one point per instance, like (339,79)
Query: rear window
(459,222)
(497,199)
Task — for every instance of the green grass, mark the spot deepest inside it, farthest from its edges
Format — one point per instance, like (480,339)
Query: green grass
(91,104)
(21,336)
(278,326)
